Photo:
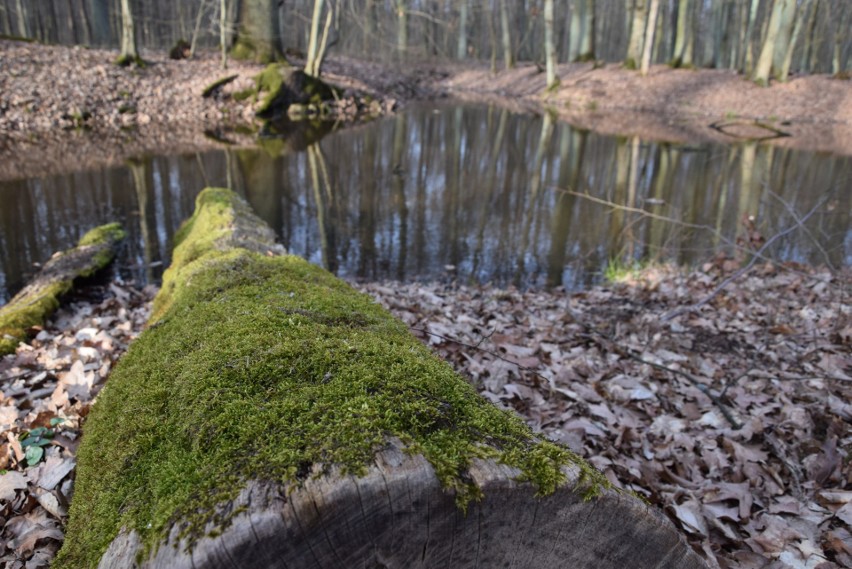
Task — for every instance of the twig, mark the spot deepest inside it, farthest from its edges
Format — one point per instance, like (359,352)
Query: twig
(716,233)
(757,255)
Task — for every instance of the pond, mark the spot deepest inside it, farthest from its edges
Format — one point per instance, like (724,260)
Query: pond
(472,193)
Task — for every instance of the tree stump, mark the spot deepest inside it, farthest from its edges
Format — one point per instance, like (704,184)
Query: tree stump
(271,416)
(40,298)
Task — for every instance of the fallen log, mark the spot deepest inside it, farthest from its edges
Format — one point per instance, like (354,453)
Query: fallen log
(40,298)
(271,416)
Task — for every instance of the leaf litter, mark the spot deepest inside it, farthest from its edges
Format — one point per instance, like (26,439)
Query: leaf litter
(733,419)
(46,390)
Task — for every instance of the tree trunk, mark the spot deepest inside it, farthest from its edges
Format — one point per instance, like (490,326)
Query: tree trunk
(461,52)
(764,62)
(649,36)
(748,66)
(804,15)
(789,16)
(402,28)
(637,34)
(223,31)
(312,62)
(550,46)
(129,52)
(587,43)
(508,53)
(683,34)
(576,31)
(271,416)
(258,32)
(23,25)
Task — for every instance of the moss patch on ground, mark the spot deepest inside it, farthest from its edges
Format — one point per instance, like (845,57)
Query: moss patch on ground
(40,298)
(267,367)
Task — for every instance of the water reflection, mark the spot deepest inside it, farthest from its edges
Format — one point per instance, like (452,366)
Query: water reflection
(473,193)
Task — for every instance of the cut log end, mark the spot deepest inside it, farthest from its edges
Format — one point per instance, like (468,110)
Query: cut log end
(398,516)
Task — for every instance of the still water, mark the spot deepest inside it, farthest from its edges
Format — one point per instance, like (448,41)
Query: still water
(456,192)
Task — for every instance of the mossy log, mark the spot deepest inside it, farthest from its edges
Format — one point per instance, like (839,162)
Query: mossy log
(36,301)
(271,416)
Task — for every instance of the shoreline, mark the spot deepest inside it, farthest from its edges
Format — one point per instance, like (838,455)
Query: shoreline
(97,114)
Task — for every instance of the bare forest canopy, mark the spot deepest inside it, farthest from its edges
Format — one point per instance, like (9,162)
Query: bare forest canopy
(807,36)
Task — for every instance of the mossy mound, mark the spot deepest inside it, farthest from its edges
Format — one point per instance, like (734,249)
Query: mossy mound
(279,86)
(40,298)
(265,367)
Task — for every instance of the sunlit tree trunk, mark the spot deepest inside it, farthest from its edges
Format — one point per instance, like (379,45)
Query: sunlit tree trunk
(805,62)
(804,15)
(402,27)
(764,62)
(461,53)
(223,31)
(550,46)
(637,34)
(508,54)
(789,15)
(841,33)
(576,31)
(587,42)
(492,36)
(197,30)
(649,36)
(311,63)
(129,52)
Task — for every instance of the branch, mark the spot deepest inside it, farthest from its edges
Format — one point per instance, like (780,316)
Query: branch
(757,255)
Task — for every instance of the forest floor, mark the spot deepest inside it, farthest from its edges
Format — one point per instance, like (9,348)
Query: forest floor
(63,108)
(724,402)
(733,418)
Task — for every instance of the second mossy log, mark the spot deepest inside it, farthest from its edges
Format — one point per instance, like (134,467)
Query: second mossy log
(272,416)
(40,297)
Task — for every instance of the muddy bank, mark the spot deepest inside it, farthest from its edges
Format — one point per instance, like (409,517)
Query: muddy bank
(64,109)
(676,105)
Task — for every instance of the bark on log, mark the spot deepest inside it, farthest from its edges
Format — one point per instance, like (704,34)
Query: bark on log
(329,439)
(40,298)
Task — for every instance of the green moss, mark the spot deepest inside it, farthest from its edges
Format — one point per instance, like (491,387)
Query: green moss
(28,311)
(37,301)
(266,368)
